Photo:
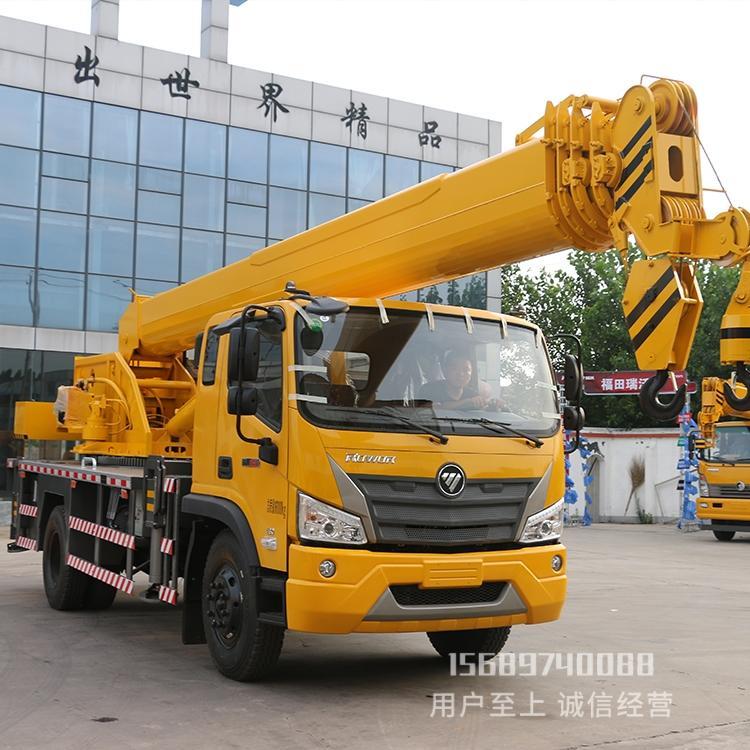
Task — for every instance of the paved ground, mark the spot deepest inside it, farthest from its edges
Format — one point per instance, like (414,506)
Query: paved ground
(122,678)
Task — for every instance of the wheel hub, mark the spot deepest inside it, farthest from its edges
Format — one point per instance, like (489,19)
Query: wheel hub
(224,605)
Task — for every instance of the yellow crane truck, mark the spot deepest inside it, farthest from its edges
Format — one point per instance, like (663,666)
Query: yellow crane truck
(337,461)
(723,459)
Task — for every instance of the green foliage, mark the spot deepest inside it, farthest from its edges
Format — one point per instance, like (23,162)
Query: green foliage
(587,302)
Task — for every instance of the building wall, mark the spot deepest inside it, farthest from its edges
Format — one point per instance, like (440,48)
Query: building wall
(611,487)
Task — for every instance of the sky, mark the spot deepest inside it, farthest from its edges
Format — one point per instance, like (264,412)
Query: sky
(501,59)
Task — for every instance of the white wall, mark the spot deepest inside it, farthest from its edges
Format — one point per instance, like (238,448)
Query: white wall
(611,485)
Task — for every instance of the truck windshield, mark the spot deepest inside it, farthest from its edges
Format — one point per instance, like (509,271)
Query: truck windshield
(732,445)
(437,374)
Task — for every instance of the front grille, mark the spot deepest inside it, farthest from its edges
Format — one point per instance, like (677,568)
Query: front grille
(730,490)
(413,596)
(412,511)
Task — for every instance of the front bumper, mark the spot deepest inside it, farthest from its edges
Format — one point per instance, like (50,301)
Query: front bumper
(721,509)
(357,598)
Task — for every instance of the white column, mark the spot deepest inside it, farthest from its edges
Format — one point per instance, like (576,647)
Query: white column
(215,29)
(105,18)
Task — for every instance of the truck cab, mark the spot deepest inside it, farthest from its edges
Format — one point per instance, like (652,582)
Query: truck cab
(724,481)
(400,465)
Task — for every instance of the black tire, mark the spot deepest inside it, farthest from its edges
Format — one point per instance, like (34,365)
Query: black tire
(99,595)
(724,536)
(66,587)
(242,648)
(471,642)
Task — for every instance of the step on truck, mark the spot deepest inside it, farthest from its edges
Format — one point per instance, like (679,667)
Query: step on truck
(333,460)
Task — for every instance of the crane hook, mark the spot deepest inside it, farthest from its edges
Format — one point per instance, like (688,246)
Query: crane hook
(737,403)
(653,407)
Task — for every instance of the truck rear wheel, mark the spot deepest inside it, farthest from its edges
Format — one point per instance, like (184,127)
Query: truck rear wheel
(724,536)
(470,642)
(66,587)
(99,595)
(242,648)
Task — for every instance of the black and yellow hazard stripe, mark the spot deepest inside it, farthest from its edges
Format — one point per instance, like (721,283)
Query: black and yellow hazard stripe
(658,301)
(638,166)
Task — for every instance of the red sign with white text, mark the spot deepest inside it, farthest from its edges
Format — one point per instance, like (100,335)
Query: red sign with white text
(626,382)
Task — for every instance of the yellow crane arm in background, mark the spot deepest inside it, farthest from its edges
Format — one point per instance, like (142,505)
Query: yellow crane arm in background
(589,174)
(715,405)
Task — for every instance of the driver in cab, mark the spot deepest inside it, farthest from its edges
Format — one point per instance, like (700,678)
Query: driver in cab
(455,390)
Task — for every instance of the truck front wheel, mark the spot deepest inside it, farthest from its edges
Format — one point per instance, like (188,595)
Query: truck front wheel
(470,642)
(724,536)
(242,648)
(66,587)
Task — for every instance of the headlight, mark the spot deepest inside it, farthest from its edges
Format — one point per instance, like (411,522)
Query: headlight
(320,522)
(545,525)
(703,486)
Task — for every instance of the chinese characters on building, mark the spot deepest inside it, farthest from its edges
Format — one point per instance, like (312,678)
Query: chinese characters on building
(180,83)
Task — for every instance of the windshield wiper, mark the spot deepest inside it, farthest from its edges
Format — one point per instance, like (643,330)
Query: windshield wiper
(501,428)
(383,413)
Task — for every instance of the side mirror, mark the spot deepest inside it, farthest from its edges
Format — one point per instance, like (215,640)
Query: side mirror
(245,360)
(242,400)
(573,384)
(574,418)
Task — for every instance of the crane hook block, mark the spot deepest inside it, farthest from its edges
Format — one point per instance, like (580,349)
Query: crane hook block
(653,407)
(739,403)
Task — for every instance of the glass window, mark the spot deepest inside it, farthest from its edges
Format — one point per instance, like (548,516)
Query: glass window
(17,236)
(246,219)
(246,192)
(16,296)
(60,300)
(115,133)
(365,175)
(324,208)
(288,162)
(239,248)
(111,246)
(286,212)
(157,254)
(159,180)
(60,165)
(151,287)
(353,205)
(112,189)
(22,114)
(433,170)
(205,148)
(327,168)
(161,141)
(106,300)
(62,241)
(248,155)
(201,253)
(270,377)
(66,125)
(64,195)
(19,174)
(159,208)
(204,202)
(400,173)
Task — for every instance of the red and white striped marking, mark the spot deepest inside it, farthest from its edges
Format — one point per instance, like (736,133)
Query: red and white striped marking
(170,485)
(26,543)
(83,476)
(167,546)
(101,574)
(167,595)
(28,510)
(103,532)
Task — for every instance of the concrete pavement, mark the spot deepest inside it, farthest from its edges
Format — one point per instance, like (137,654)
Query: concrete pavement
(121,678)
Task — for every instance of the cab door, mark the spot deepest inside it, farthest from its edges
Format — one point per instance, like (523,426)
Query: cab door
(256,486)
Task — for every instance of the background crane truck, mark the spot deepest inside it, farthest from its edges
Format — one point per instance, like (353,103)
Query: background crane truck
(342,462)
(723,442)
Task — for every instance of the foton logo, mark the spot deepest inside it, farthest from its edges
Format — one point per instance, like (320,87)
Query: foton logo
(363,458)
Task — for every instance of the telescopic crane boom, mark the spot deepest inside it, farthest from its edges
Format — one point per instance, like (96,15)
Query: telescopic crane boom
(587,175)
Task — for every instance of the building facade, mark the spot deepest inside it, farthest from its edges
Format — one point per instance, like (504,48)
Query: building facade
(125,168)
